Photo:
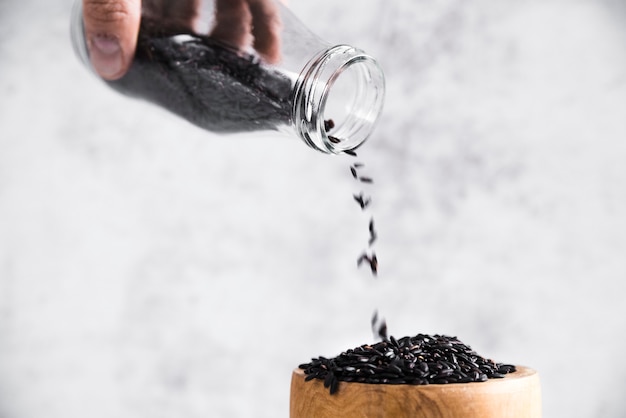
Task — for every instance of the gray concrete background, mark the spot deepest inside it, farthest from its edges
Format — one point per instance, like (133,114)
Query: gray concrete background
(150,269)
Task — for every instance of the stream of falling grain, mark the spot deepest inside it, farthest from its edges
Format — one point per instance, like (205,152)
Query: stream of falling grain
(368,258)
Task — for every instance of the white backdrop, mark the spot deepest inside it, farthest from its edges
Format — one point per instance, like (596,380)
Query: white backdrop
(150,269)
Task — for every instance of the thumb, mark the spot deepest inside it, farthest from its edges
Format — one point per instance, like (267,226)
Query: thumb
(111,28)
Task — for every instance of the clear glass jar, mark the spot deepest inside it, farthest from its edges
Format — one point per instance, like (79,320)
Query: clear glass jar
(330,96)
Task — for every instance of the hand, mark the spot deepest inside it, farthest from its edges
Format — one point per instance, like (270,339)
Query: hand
(112,26)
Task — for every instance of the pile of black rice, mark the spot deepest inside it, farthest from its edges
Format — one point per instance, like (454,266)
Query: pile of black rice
(420,360)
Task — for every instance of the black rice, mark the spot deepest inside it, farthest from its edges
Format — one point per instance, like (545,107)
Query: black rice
(420,360)
(373,234)
(208,83)
(379,327)
(362,200)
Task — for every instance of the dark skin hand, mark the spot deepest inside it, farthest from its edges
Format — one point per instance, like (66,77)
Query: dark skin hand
(112,26)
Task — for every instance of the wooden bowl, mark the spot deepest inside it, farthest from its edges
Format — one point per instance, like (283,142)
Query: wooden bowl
(518,395)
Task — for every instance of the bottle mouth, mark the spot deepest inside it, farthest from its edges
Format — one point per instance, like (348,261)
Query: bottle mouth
(338,99)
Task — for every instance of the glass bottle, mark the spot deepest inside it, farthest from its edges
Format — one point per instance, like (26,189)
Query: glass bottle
(330,96)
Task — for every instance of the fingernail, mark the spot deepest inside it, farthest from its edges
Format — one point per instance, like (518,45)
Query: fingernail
(106,56)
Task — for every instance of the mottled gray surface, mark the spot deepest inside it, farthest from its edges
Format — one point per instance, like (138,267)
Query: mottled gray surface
(149,269)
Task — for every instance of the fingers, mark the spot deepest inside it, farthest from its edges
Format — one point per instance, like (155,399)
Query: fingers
(111,28)
(266,28)
(233,22)
(244,23)
(173,14)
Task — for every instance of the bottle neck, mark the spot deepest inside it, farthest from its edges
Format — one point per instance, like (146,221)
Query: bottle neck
(338,98)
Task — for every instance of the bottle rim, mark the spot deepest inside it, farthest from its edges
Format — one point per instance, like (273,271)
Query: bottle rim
(341,81)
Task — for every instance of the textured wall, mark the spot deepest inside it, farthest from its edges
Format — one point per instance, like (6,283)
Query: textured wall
(149,269)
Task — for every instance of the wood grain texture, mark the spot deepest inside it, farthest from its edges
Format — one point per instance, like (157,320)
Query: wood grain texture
(518,395)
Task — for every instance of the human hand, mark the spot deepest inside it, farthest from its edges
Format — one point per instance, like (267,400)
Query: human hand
(112,27)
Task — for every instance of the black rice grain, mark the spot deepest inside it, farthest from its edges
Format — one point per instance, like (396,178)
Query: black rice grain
(372,261)
(379,327)
(373,234)
(363,257)
(363,201)
(374,264)
(420,360)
